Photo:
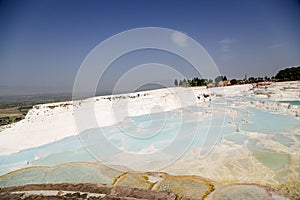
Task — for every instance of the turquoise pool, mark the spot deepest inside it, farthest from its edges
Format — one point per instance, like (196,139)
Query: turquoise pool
(197,126)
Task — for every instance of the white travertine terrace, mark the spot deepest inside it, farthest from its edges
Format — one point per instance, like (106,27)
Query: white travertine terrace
(47,123)
(266,153)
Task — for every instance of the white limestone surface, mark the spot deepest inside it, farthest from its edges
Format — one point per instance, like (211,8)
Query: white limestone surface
(47,123)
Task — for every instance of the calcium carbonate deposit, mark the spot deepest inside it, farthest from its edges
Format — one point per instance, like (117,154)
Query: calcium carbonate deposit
(236,134)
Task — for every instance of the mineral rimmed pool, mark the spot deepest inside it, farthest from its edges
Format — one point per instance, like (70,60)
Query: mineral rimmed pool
(229,140)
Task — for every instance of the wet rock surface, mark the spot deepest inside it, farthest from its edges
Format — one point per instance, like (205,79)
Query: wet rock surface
(139,185)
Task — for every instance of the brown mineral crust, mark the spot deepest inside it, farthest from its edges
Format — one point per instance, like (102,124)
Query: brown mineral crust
(81,191)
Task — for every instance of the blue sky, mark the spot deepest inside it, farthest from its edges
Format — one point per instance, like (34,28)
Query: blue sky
(44,42)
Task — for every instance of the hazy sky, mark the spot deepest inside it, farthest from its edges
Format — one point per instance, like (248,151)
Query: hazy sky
(44,42)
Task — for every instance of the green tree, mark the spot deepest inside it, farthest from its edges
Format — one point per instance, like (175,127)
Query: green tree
(251,79)
(289,74)
(218,79)
(176,82)
(233,81)
(180,83)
